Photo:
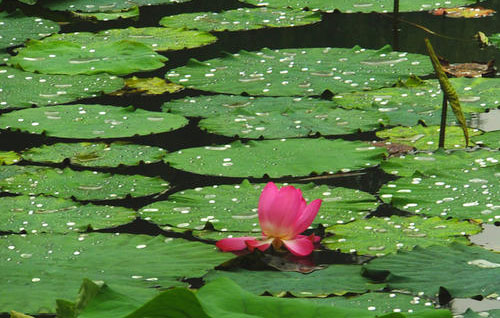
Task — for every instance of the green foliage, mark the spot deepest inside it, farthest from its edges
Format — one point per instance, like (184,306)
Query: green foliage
(35,214)
(132,13)
(233,207)
(64,57)
(95,154)
(16,28)
(82,185)
(277,158)
(90,121)
(103,5)
(23,89)
(475,271)
(307,71)
(8,157)
(47,267)
(241,19)
(380,236)
(335,279)
(158,39)
(490,139)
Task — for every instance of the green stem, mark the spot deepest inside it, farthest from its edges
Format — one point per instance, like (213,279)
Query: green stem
(442,128)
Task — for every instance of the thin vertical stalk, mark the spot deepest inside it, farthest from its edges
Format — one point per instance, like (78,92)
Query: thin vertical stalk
(442,128)
(395,25)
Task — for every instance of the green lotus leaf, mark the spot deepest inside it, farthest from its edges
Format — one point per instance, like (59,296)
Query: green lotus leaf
(210,106)
(8,157)
(296,123)
(380,236)
(307,71)
(95,154)
(47,267)
(494,313)
(495,39)
(379,303)
(459,193)
(234,207)
(431,163)
(335,279)
(241,19)
(158,39)
(349,6)
(24,89)
(4,57)
(132,13)
(426,138)
(490,139)
(104,5)
(64,57)
(277,158)
(12,171)
(90,121)
(415,101)
(16,28)
(48,214)
(475,271)
(82,185)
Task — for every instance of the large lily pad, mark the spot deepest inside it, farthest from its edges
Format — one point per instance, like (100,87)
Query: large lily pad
(63,57)
(293,123)
(47,267)
(380,236)
(132,13)
(335,279)
(308,71)
(104,5)
(490,139)
(210,106)
(8,157)
(234,208)
(47,214)
(349,6)
(23,89)
(15,28)
(431,163)
(82,185)
(241,19)
(460,193)
(277,158)
(90,121)
(426,138)
(95,154)
(474,270)
(158,39)
(416,100)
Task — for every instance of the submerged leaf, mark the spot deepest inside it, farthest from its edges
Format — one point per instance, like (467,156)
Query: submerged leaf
(462,12)
(148,86)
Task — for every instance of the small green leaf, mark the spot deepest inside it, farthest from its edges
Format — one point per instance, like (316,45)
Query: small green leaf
(8,157)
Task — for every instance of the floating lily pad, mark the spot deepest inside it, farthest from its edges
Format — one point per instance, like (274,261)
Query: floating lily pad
(24,89)
(158,39)
(426,138)
(47,214)
(90,121)
(148,86)
(460,193)
(132,13)
(380,236)
(16,28)
(335,279)
(494,313)
(308,71)
(415,101)
(475,271)
(209,106)
(82,185)
(292,123)
(8,157)
(431,163)
(47,267)
(379,302)
(96,154)
(241,19)
(277,158)
(234,207)
(349,6)
(64,57)
(104,5)
(490,139)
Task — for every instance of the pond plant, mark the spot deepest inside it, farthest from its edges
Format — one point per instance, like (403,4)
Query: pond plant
(249,158)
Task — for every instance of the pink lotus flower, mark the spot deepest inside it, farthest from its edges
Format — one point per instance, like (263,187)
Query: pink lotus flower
(283,215)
